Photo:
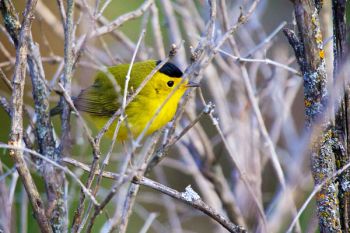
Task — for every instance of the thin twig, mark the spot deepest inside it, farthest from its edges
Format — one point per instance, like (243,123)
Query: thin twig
(66,170)
(66,78)
(266,61)
(181,196)
(159,45)
(148,222)
(266,40)
(122,116)
(316,189)
(122,19)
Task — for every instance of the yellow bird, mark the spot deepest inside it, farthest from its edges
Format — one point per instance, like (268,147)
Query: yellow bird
(101,100)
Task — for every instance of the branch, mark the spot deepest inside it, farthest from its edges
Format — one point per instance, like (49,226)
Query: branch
(17,107)
(315,77)
(314,192)
(310,54)
(43,127)
(64,169)
(114,139)
(122,19)
(188,197)
(67,72)
(342,121)
(298,48)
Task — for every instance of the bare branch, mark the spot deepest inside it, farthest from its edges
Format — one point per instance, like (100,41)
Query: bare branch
(17,107)
(184,197)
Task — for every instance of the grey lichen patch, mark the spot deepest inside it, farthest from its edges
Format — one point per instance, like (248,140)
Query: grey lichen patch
(341,161)
(10,17)
(315,78)
(13,22)
(323,167)
(345,185)
(59,219)
(190,194)
(315,96)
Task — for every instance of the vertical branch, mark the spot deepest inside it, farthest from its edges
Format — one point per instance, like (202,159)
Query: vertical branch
(17,108)
(158,39)
(5,212)
(54,178)
(309,51)
(127,208)
(315,78)
(341,114)
(24,211)
(10,19)
(66,77)
(174,29)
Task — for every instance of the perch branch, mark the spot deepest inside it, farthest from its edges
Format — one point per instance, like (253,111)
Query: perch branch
(181,196)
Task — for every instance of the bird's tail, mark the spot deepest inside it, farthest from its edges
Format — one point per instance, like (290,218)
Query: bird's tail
(56,110)
(59,108)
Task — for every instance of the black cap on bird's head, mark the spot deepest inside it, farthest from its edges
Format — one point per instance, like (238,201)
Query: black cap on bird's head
(170,69)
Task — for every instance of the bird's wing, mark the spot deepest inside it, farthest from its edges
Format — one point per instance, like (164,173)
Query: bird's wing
(100,99)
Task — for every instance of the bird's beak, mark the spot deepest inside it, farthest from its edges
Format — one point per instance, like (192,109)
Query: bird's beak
(192,84)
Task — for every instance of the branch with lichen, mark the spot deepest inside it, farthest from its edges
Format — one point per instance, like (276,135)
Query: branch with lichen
(340,50)
(308,48)
(20,34)
(54,179)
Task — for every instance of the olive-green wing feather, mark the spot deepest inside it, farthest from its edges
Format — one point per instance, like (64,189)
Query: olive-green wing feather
(101,99)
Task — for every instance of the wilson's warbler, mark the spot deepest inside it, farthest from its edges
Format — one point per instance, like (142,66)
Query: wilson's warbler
(101,100)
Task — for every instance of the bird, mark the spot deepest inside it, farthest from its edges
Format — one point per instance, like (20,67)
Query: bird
(101,100)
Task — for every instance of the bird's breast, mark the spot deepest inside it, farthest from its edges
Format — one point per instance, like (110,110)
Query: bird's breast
(143,111)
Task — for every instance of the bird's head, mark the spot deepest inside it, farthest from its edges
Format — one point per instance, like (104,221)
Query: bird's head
(168,79)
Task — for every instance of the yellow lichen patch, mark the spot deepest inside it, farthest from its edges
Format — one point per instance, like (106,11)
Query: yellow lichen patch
(318,37)
(328,134)
(320,196)
(321,176)
(322,54)
(307,103)
(313,20)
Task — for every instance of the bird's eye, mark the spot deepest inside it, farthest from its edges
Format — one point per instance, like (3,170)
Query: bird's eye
(170,83)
